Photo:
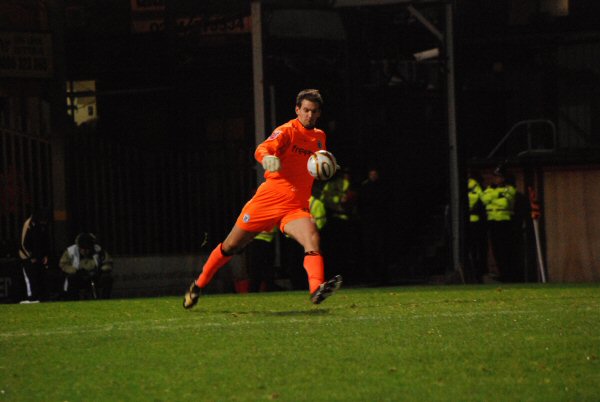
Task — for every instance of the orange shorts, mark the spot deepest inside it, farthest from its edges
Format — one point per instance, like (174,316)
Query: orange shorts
(268,208)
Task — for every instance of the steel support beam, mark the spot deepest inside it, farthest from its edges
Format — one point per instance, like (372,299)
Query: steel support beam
(455,183)
(258,79)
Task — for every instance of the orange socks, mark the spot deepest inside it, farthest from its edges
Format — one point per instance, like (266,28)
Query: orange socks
(315,268)
(313,264)
(216,260)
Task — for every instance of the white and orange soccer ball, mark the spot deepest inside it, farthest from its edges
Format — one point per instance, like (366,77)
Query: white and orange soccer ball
(322,165)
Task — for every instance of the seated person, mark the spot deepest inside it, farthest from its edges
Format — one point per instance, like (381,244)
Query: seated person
(88,268)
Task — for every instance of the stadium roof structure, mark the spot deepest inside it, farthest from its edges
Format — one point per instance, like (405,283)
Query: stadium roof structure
(361,3)
(343,3)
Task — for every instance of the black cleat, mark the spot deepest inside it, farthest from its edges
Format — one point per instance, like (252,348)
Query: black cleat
(326,289)
(191,296)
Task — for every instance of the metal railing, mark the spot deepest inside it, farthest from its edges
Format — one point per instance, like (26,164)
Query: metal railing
(530,146)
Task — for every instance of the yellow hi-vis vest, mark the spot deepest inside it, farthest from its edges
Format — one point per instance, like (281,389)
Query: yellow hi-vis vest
(318,212)
(499,202)
(475,193)
(332,195)
(267,236)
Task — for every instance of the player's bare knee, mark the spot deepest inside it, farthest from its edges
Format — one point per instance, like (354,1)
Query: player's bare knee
(226,251)
(312,242)
(229,248)
(229,251)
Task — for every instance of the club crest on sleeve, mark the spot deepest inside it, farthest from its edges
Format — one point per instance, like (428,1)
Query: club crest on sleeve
(275,134)
(319,145)
(246,218)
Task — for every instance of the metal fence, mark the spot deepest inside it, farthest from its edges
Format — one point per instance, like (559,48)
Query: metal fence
(141,202)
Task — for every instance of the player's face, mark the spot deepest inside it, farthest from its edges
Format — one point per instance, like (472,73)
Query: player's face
(308,113)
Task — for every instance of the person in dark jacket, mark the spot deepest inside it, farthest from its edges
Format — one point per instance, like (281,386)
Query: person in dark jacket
(34,252)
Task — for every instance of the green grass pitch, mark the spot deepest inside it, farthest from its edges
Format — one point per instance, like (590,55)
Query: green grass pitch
(454,343)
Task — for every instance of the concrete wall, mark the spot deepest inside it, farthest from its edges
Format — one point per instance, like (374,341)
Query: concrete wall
(148,276)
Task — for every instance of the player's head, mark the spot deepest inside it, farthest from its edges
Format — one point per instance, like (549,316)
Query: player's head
(308,107)
(312,95)
(499,175)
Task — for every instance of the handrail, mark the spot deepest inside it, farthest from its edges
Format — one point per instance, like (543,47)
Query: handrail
(528,123)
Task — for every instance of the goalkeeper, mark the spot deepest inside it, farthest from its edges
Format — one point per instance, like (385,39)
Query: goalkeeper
(281,200)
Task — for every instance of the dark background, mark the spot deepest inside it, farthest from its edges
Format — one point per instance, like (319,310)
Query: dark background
(161,91)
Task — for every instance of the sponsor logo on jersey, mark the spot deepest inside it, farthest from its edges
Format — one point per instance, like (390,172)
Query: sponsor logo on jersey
(275,134)
(301,151)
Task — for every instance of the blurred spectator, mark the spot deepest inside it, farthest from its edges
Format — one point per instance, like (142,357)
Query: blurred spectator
(340,234)
(338,196)
(34,253)
(499,201)
(88,268)
(373,212)
(318,211)
(477,244)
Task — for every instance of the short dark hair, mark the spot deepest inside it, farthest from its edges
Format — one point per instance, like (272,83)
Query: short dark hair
(312,95)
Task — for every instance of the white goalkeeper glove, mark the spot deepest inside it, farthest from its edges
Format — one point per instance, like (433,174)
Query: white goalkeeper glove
(271,163)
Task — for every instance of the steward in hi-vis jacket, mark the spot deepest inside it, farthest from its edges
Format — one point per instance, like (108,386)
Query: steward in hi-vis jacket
(499,200)
(477,243)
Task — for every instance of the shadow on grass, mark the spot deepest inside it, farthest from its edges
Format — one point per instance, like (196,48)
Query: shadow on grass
(291,313)
(296,312)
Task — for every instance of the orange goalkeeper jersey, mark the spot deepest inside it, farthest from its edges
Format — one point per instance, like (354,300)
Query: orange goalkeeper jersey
(292,144)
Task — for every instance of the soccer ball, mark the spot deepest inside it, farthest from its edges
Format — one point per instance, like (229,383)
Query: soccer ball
(322,165)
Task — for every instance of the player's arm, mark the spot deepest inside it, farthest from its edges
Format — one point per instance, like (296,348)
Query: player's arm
(26,242)
(106,261)
(66,264)
(267,152)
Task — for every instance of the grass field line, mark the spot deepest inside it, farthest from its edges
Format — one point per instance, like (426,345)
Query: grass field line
(181,323)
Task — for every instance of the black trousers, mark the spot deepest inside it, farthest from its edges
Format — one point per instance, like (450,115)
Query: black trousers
(477,248)
(504,247)
(33,280)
